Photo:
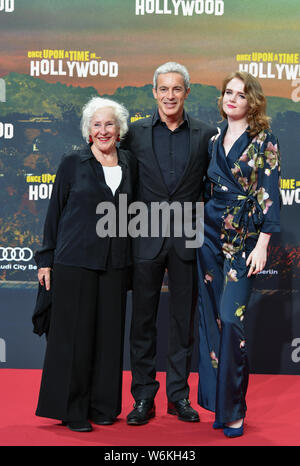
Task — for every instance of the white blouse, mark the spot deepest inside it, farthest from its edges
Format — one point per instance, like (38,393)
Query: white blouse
(113,177)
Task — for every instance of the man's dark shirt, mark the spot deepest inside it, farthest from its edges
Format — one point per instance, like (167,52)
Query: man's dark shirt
(171,149)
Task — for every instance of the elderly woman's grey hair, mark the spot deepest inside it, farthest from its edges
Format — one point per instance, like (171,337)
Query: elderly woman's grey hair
(172,67)
(121,115)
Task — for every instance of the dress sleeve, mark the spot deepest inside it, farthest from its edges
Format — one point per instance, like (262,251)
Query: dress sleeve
(268,188)
(45,256)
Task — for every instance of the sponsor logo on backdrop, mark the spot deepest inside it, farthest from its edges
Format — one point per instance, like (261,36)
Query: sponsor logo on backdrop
(15,254)
(295,355)
(2,350)
(13,258)
(290,191)
(270,65)
(268,272)
(7,6)
(179,7)
(71,63)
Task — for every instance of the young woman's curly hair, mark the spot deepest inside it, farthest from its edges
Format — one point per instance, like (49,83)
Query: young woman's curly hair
(257,118)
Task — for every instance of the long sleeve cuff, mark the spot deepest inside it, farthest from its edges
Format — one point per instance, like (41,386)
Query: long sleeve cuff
(44,258)
(270,227)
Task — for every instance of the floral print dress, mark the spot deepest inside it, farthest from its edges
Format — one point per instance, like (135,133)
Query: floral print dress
(244,200)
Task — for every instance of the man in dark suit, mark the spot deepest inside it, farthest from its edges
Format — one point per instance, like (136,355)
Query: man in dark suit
(171,151)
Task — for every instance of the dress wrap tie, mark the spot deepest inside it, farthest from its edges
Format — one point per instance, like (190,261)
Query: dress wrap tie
(246,203)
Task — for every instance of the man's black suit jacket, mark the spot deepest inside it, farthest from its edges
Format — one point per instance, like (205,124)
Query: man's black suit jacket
(151,186)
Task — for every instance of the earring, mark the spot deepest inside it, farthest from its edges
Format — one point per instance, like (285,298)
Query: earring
(90,138)
(118,139)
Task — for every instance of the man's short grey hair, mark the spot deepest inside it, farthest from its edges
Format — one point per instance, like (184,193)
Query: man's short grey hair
(172,67)
(121,115)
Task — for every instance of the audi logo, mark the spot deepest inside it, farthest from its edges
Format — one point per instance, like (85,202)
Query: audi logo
(15,254)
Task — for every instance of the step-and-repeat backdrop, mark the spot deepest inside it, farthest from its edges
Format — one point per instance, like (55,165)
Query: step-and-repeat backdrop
(55,55)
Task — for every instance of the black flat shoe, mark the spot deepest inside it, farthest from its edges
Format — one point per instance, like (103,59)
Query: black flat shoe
(103,421)
(183,410)
(79,426)
(142,412)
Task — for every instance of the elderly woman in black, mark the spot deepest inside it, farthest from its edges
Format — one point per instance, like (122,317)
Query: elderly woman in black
(82,375)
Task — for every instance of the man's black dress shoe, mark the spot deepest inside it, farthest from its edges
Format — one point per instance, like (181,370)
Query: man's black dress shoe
(142,412)
(183,410)
(78,426)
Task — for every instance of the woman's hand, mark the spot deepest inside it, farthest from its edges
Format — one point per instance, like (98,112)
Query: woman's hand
(44,276)
(258,257)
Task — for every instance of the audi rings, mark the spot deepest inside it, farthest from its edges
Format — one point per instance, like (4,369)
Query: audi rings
(15,254)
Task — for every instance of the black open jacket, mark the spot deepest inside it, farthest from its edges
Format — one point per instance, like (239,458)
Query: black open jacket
(70,236)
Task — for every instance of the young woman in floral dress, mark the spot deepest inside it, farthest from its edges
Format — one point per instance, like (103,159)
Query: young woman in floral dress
(241,214)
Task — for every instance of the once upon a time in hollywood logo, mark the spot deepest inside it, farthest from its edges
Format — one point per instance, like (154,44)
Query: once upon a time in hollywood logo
(290,191)
(7,6)
(179,7)
(72,63)
(270,65)
(40,186)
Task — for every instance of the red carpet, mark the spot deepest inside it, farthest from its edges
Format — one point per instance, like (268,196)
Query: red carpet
(273,417)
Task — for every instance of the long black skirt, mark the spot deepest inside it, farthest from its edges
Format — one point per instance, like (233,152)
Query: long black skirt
(82,374)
